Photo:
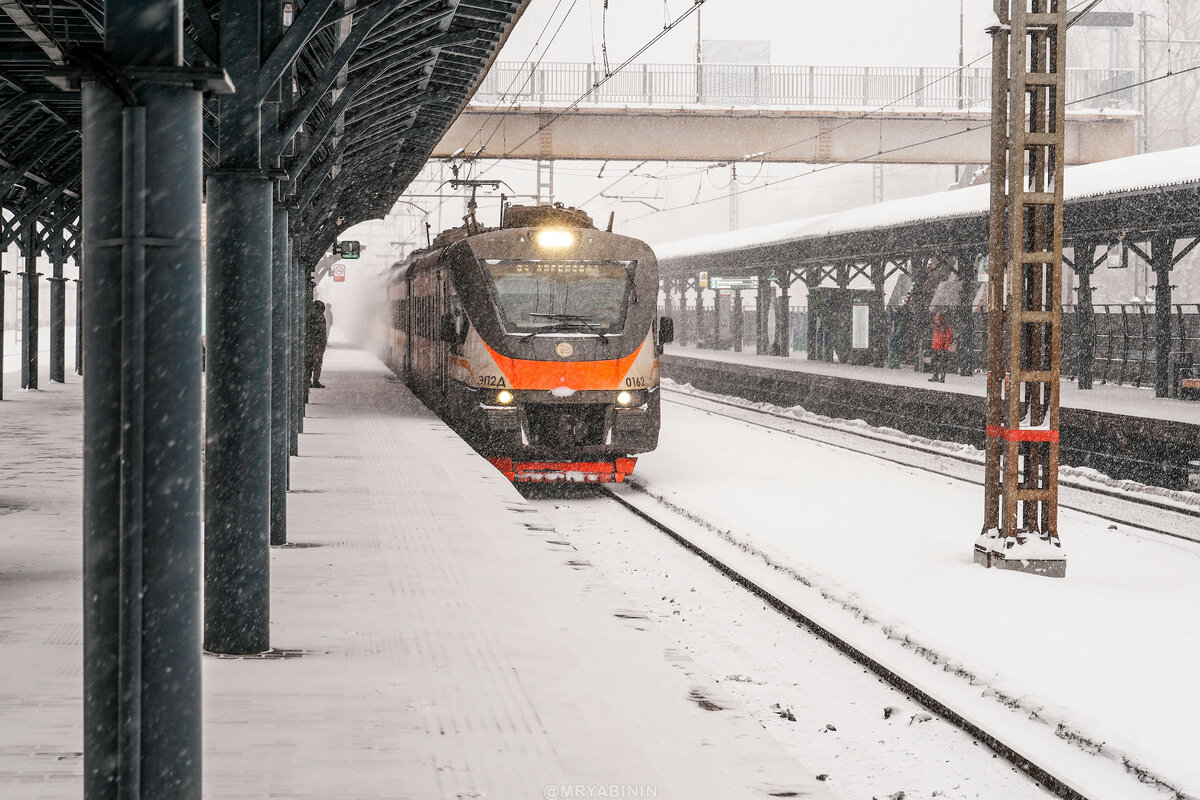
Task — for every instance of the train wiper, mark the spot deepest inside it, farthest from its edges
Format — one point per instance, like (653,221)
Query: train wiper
(567,322)
(562,317)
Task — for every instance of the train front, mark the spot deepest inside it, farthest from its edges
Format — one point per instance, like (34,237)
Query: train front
(559,348)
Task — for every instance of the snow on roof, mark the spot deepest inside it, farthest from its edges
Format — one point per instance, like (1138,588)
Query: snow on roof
(1119,176)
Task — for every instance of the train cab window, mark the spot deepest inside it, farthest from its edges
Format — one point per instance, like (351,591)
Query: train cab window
(588,296)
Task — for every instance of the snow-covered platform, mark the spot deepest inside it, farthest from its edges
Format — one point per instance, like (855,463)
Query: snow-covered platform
(1103,398)
(1119,431)
(447,643)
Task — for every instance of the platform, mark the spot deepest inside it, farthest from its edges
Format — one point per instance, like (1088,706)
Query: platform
(1105,398)
(447,643)
(1123,432)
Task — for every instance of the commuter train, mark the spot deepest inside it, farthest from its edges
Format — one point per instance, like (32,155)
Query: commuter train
(537,341)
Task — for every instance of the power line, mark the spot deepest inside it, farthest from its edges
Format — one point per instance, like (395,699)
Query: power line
(654,40)
(521,69)
(860,160)
(1156,78)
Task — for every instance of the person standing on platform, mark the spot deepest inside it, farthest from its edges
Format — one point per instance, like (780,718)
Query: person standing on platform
(318,337)
(943,346)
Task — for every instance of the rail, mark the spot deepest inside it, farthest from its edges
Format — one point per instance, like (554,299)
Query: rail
(777,85)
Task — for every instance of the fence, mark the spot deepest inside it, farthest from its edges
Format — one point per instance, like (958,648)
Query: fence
(779,86)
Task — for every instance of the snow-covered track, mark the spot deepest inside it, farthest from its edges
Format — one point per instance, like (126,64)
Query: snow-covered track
(1038,769)
(1134,509)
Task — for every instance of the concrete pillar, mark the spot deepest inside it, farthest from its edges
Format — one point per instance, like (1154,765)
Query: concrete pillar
(142,162)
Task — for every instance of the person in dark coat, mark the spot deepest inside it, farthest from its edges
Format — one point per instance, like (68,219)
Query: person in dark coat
(942,346)
(318,337)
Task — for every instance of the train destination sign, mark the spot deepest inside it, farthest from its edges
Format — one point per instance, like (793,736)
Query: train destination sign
(733,283)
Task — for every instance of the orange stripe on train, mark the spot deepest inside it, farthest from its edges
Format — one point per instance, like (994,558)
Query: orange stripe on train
(578,375)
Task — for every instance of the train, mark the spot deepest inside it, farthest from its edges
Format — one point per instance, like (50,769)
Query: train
(538,341)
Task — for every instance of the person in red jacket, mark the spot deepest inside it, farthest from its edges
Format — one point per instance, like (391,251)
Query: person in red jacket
(943,346)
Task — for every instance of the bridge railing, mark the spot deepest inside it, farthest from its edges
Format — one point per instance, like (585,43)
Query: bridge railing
(774,85)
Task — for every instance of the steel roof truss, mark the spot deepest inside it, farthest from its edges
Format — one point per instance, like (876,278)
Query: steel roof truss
(206,37)
(325,80)
(302,29)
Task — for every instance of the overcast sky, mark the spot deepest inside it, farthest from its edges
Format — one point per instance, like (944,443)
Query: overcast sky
(800,32)
(850,32)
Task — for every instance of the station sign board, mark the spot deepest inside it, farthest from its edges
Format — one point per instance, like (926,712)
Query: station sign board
(339,272)
(734,284)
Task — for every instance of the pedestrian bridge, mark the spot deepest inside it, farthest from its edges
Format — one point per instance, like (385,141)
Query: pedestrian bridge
(805,114)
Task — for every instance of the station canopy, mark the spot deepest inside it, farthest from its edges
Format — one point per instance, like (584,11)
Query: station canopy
(1124,198)
(374,90)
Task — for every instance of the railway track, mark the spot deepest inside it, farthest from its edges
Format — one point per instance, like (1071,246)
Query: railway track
(983,727)
(1143,512)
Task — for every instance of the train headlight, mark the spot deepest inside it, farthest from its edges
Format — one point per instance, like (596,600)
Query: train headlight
(504,397)
(624,398)
(554,238)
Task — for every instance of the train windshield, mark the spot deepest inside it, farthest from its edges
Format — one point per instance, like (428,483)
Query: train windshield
(561,296)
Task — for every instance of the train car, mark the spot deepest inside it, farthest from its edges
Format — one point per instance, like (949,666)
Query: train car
(537,341)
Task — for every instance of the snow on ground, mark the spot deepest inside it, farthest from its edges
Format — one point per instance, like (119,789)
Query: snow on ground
(1081,477)
(449,643)
(1106,653)
(866,738)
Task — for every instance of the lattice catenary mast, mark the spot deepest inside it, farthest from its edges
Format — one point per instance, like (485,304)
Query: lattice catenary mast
(1020,529)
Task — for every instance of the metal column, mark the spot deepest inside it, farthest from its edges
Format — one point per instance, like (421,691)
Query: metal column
(237,498)
(783,317)
(717,319)
(280,383)
(79,320)
(141,537)
(1020,530)
(737,320)
(58,304)
(965,336)
(3,272)
(30,313)
(762,308)
(921,330)
(1162,256)
(878,328)
(296,305)
(1085,312)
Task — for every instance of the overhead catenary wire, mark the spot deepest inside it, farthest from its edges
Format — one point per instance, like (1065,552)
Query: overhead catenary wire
(521,69)
(696,4)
